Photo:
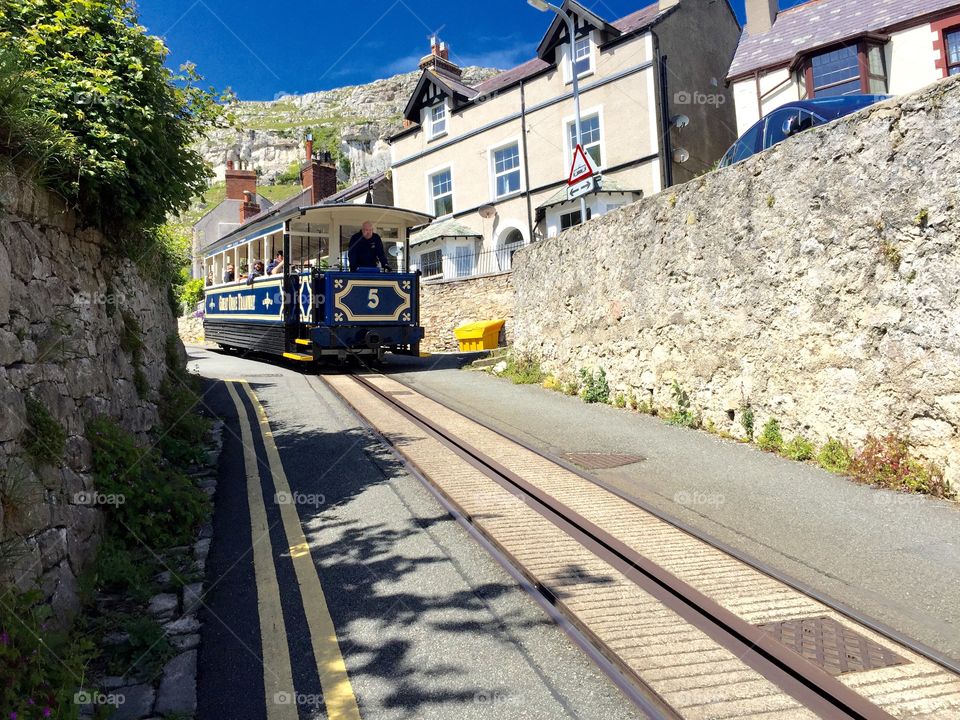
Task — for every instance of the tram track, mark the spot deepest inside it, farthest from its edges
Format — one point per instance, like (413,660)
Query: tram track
(685,599)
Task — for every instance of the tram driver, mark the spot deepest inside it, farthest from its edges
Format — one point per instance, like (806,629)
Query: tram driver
(366,249)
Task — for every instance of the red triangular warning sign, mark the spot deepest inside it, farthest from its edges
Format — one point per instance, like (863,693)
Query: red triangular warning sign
(581,168)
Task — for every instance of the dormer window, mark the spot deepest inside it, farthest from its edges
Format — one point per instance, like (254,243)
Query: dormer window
(847,70)
(582,56)
(438,120)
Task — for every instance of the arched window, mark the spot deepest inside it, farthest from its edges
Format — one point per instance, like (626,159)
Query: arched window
(509,242)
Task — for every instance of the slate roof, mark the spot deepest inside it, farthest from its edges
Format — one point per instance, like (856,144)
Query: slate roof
(357,188)
(442,228)
(605,186)
(628,23)
(821,22)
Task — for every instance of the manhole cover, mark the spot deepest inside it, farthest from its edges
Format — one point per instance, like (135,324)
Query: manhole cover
(832,646)
(601,461)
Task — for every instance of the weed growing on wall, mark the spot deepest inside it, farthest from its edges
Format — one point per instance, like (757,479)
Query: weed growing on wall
(593,386)
(523,369)
(834,456)
(887,461)
(746,420)
(44,439)
(799,448)
(682,415)
(770,440)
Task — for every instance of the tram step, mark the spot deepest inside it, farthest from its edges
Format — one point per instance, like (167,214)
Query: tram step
(304,341)
(298,356)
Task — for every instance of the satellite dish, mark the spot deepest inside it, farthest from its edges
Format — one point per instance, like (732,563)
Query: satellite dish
(680,155)
(487,211)
(395,250)
(679,121)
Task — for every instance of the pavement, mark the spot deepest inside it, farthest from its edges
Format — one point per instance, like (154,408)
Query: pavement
(367,598)
(891,557)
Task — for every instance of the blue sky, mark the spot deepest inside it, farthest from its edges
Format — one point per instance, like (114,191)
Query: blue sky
(265,49)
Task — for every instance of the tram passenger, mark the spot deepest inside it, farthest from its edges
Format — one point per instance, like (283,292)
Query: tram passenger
(275,266)
(257,270)
(229,274)
(366,249)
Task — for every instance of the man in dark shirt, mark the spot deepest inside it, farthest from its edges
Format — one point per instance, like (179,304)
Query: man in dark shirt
(229,274)
(366,249)
(272,265)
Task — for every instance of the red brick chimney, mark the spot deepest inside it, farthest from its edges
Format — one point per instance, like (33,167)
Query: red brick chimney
(439,59)
(239,182)
(249,207)
(318,174)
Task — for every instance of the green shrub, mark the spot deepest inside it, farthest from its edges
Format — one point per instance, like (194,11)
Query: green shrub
(799,448)
(770,440)
(191,292)
(44,437)
(182,429)
(145,651)
(619,400)
(593,386)
(888,462)
(835,456)
(40,668)
(121,569)
(290,176)
(523,369)
(682,415)
(106,124)
(159,507)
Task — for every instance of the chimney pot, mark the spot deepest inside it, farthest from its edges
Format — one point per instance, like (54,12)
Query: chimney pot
(229,164)
(761,15)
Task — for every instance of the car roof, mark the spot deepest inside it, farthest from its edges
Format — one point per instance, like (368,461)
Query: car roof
(833,107)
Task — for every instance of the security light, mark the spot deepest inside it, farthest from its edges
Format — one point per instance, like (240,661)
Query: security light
(540,5)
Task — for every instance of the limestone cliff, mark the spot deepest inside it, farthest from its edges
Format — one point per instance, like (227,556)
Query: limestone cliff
(352,122)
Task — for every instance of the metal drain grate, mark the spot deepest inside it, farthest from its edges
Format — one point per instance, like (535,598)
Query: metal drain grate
(601,461)
(834,647)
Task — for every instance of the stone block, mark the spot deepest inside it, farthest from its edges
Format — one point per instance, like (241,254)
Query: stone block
(137,702)
(178,687)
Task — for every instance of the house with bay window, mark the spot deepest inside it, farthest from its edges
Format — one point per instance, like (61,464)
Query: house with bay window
(490,161)
(824,48)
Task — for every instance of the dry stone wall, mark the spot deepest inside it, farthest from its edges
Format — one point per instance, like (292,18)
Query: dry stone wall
(62,301)
(450,304)
(819,282)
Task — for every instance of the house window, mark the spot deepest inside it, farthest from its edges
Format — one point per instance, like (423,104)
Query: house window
(441,191)
(431,263)
(582,56)
(848,70)
(438,120)
(506,170)
(568,220)
(589,138)
(952,43)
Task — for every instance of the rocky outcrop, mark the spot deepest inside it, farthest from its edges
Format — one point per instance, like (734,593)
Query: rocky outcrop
(819,282)
(65,305)
(360,116)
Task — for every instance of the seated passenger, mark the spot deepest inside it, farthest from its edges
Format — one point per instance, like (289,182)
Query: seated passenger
(229,274)
(275,267)
(257,270)
(210,278)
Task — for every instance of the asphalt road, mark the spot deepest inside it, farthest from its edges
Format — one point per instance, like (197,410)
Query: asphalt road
(368,596)
(892,557)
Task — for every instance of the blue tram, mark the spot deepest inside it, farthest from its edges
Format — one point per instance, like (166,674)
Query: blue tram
(312,307)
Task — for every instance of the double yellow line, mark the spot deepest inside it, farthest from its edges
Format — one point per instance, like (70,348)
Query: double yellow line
(281,695)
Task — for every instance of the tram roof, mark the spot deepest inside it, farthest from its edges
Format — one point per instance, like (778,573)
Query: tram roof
(341,213)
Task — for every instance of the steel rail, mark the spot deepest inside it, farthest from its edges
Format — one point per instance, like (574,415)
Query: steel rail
(844,609)
(809,684)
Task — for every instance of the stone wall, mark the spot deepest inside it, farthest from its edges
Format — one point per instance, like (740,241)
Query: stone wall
(448,304)
(819,282)
(62,301)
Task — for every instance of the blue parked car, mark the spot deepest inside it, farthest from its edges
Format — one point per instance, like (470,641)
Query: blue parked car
(792,118)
